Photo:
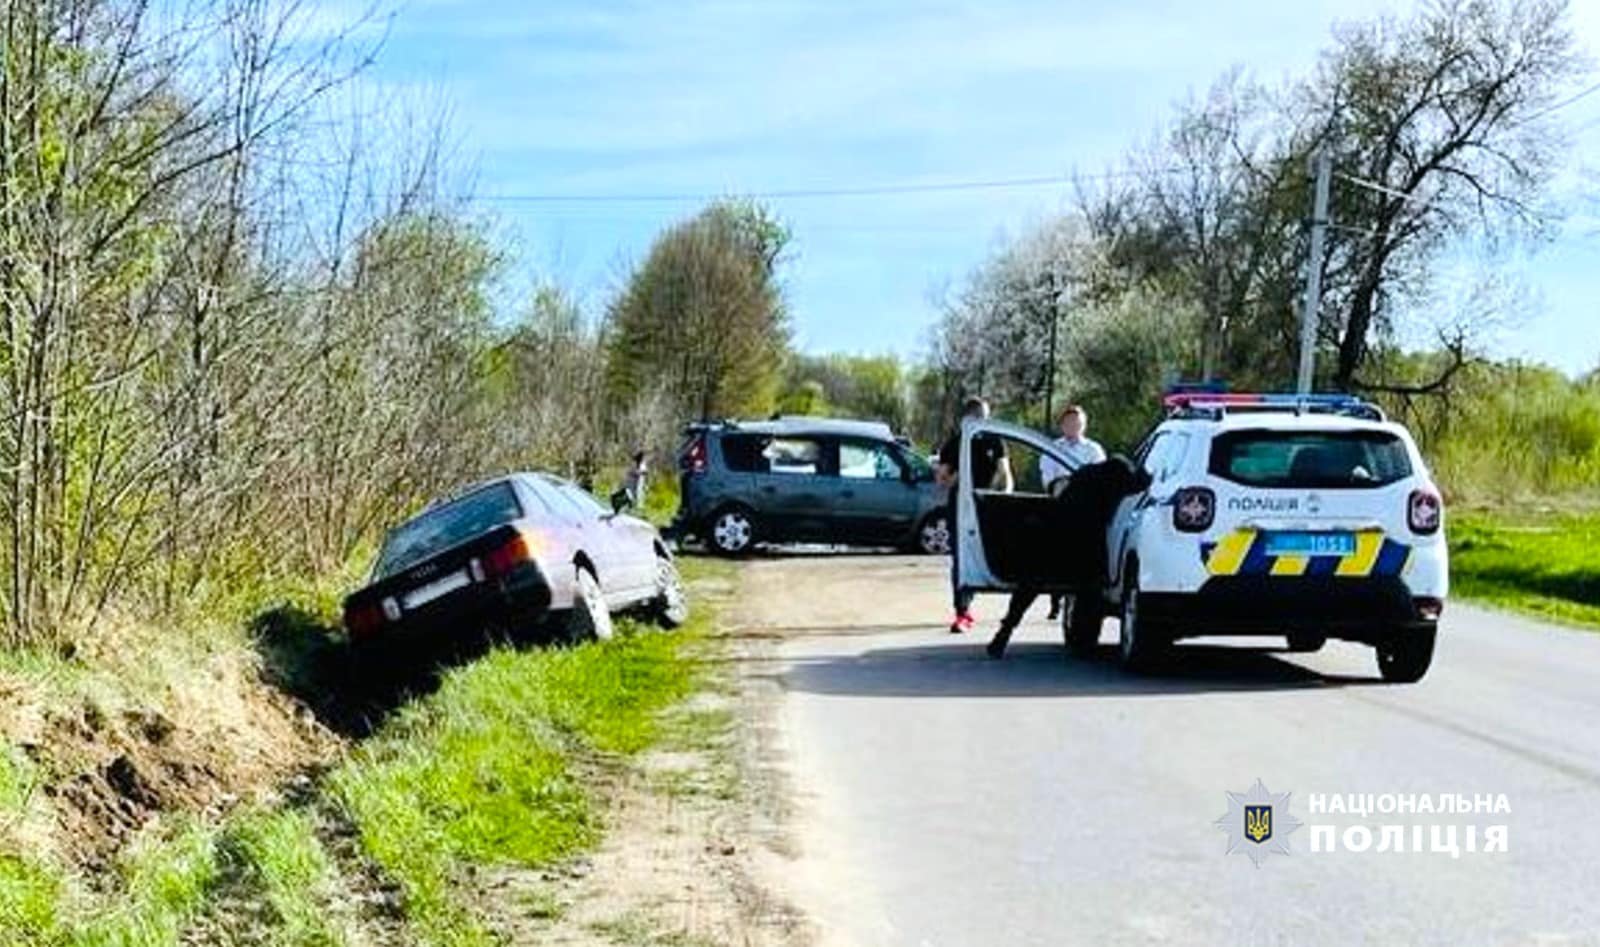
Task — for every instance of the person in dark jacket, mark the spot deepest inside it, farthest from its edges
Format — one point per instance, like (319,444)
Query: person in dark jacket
(991,470)
(1090,498)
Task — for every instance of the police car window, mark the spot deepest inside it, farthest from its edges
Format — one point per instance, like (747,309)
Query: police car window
(1176,449)
(1329,459)
(864,460)
(1154,452)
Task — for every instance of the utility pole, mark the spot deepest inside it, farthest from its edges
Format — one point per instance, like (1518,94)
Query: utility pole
(1050,371)
(1322,166)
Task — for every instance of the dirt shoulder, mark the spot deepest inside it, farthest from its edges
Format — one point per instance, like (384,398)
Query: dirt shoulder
(696,839)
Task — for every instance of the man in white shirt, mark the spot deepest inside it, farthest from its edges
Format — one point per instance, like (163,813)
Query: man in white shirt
(1079,451)
(1077,448)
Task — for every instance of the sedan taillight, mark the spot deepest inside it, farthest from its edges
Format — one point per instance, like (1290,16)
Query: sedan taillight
(1424,510)
(363,621)
(1193,509)
(502,560)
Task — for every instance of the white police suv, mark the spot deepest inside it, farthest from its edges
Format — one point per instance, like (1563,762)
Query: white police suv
(1305,516)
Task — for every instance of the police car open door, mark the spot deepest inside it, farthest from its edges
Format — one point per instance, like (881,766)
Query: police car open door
(1021,538)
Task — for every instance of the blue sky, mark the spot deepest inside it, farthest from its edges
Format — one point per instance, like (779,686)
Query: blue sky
(714,96)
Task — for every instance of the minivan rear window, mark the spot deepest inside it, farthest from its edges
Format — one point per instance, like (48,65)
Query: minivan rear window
(1350,459)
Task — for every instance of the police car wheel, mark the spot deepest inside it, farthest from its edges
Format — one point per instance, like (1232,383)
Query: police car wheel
(1405,657)
(1305,643)
(1140,644)
(1080,624)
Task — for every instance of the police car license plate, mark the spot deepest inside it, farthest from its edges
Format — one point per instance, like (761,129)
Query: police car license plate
(438,588)
(1311,544)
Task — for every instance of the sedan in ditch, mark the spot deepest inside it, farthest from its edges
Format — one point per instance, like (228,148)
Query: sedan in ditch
(528,553)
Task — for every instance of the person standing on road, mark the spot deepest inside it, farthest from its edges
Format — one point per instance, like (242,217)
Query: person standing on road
(1081,451)
(990,467)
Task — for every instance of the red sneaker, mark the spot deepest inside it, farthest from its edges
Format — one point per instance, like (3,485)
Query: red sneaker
(962,624)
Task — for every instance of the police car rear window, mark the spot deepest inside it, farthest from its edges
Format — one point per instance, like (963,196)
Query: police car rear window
(1329,459)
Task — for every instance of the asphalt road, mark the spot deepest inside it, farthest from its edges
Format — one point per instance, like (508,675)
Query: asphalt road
(943,798)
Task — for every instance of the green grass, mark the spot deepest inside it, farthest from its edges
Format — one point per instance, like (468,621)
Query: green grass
(502,765)
(280,862)
(165,884)
(1543,563)
(485,771)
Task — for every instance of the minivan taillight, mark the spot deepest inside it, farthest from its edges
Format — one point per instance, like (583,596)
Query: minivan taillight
(501,560)
(1194,509)
(1423,512)
(694,457)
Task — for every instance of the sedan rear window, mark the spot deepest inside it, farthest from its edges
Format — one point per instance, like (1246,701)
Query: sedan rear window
(1352,459)
(449,525)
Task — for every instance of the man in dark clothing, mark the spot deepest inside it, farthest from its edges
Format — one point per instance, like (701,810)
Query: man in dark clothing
(1089,500)
(990,467)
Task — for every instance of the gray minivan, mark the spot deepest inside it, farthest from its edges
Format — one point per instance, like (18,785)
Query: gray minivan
(812,480)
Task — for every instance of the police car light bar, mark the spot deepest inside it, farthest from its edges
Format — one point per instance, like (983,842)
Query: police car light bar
(1220,401)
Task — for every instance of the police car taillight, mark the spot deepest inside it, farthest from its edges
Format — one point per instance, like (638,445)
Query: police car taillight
(1193,509)
(1423,511)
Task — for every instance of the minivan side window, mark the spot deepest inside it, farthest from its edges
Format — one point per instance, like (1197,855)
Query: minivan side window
(793,455)
(866,460)
(742,453)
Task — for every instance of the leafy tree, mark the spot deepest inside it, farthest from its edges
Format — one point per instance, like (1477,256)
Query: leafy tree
(703,319)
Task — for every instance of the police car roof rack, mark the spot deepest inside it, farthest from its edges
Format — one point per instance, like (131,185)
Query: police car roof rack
(1209,404)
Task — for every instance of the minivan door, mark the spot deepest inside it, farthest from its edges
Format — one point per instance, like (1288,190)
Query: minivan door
(794,489)
(876,498)
(1009,540)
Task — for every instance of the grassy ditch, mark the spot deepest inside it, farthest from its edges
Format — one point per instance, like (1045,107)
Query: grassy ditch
(492,768)
(504,764)
(1544,563)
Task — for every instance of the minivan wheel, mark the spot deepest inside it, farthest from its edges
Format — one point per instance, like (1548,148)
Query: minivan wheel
(733,532)
(1140,644)
(588,619)
(933,536)
(1404,657)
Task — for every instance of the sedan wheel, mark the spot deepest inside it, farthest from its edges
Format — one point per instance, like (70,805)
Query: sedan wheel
(588,619)
(933,537)
(672,602)
(733,532)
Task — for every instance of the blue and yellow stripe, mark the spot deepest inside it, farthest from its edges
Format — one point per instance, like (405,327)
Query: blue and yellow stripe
(1244,552)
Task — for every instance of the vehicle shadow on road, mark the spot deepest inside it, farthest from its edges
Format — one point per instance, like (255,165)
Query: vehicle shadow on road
(1044,670)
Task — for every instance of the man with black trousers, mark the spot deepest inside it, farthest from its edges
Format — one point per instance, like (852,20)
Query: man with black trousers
(990,467)
(1090,497)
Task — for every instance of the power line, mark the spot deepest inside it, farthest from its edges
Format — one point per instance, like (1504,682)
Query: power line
(875,190)
(1569,100)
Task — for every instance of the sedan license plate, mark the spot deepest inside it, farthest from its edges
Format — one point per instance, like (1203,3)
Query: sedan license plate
(423,594)
(1311,544)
